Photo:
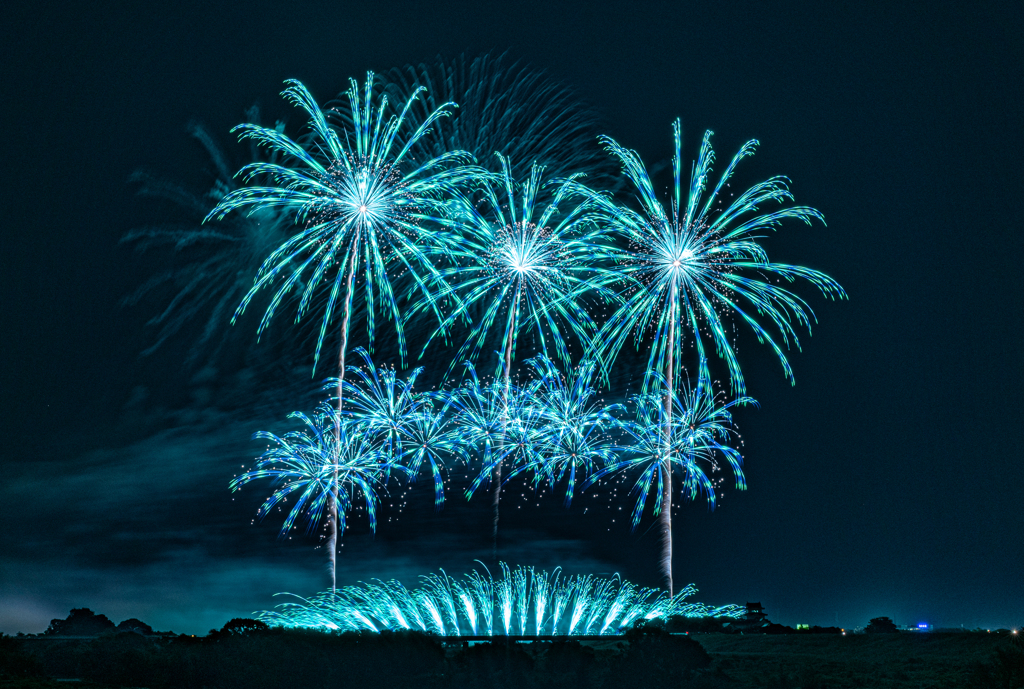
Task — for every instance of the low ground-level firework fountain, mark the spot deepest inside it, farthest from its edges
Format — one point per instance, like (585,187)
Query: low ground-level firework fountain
(521,602)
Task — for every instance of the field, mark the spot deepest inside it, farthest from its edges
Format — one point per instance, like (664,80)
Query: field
(912,660)
(293,658)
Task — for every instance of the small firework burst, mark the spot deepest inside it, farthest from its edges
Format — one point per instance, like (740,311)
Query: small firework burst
(327,462)
(688,441)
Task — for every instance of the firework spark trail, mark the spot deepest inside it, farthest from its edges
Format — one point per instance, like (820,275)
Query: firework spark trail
(515,604)
(358,195)
(527,265)
(689,267)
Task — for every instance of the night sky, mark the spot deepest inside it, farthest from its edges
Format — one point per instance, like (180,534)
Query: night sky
(886,482)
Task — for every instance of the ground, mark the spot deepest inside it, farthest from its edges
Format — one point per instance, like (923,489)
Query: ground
(912,660)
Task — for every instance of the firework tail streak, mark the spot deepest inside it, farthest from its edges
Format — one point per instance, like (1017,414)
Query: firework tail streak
(350,193)
(687,265)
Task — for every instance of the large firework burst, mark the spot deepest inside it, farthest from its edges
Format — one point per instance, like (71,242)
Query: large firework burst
(520,267)
(699,260)
(526,267)
(357,195)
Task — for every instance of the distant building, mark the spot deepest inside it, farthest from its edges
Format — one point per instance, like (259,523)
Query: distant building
(881,625)
(755,615)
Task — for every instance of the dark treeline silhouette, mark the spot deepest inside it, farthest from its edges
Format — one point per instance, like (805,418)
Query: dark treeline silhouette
(881,625)
(245,654)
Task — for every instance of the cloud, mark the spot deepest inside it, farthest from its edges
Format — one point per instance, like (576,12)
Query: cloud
(150,530)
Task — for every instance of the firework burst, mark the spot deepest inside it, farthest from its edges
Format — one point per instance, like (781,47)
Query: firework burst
(576,433)
(688,267)
(523,601)
(700,259)
(326,463)
(527,268)
(412,428)
(379,403)
(357,197)
(688,442)
(497,421)
(432,439)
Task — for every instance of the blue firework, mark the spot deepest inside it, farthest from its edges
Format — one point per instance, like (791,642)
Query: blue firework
(326,463)
(432,439)
(576,435)
(382,405)
(497,421)
(412,428)
(691,442)
(696,260)
(362,205)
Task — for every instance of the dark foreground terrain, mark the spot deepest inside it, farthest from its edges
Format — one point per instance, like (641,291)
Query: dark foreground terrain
(251,658)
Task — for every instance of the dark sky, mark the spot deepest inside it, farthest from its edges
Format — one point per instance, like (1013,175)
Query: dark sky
(886,482)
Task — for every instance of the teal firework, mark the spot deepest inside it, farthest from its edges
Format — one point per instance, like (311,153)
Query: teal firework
(508,106)
(576,436)
(431,440)
(412,428)
(692,442)
(528,268)
(380,403)
(210,269)
(480,411)
(497,422)
(521,602)
(695,261)
(363,206)
(325,463)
